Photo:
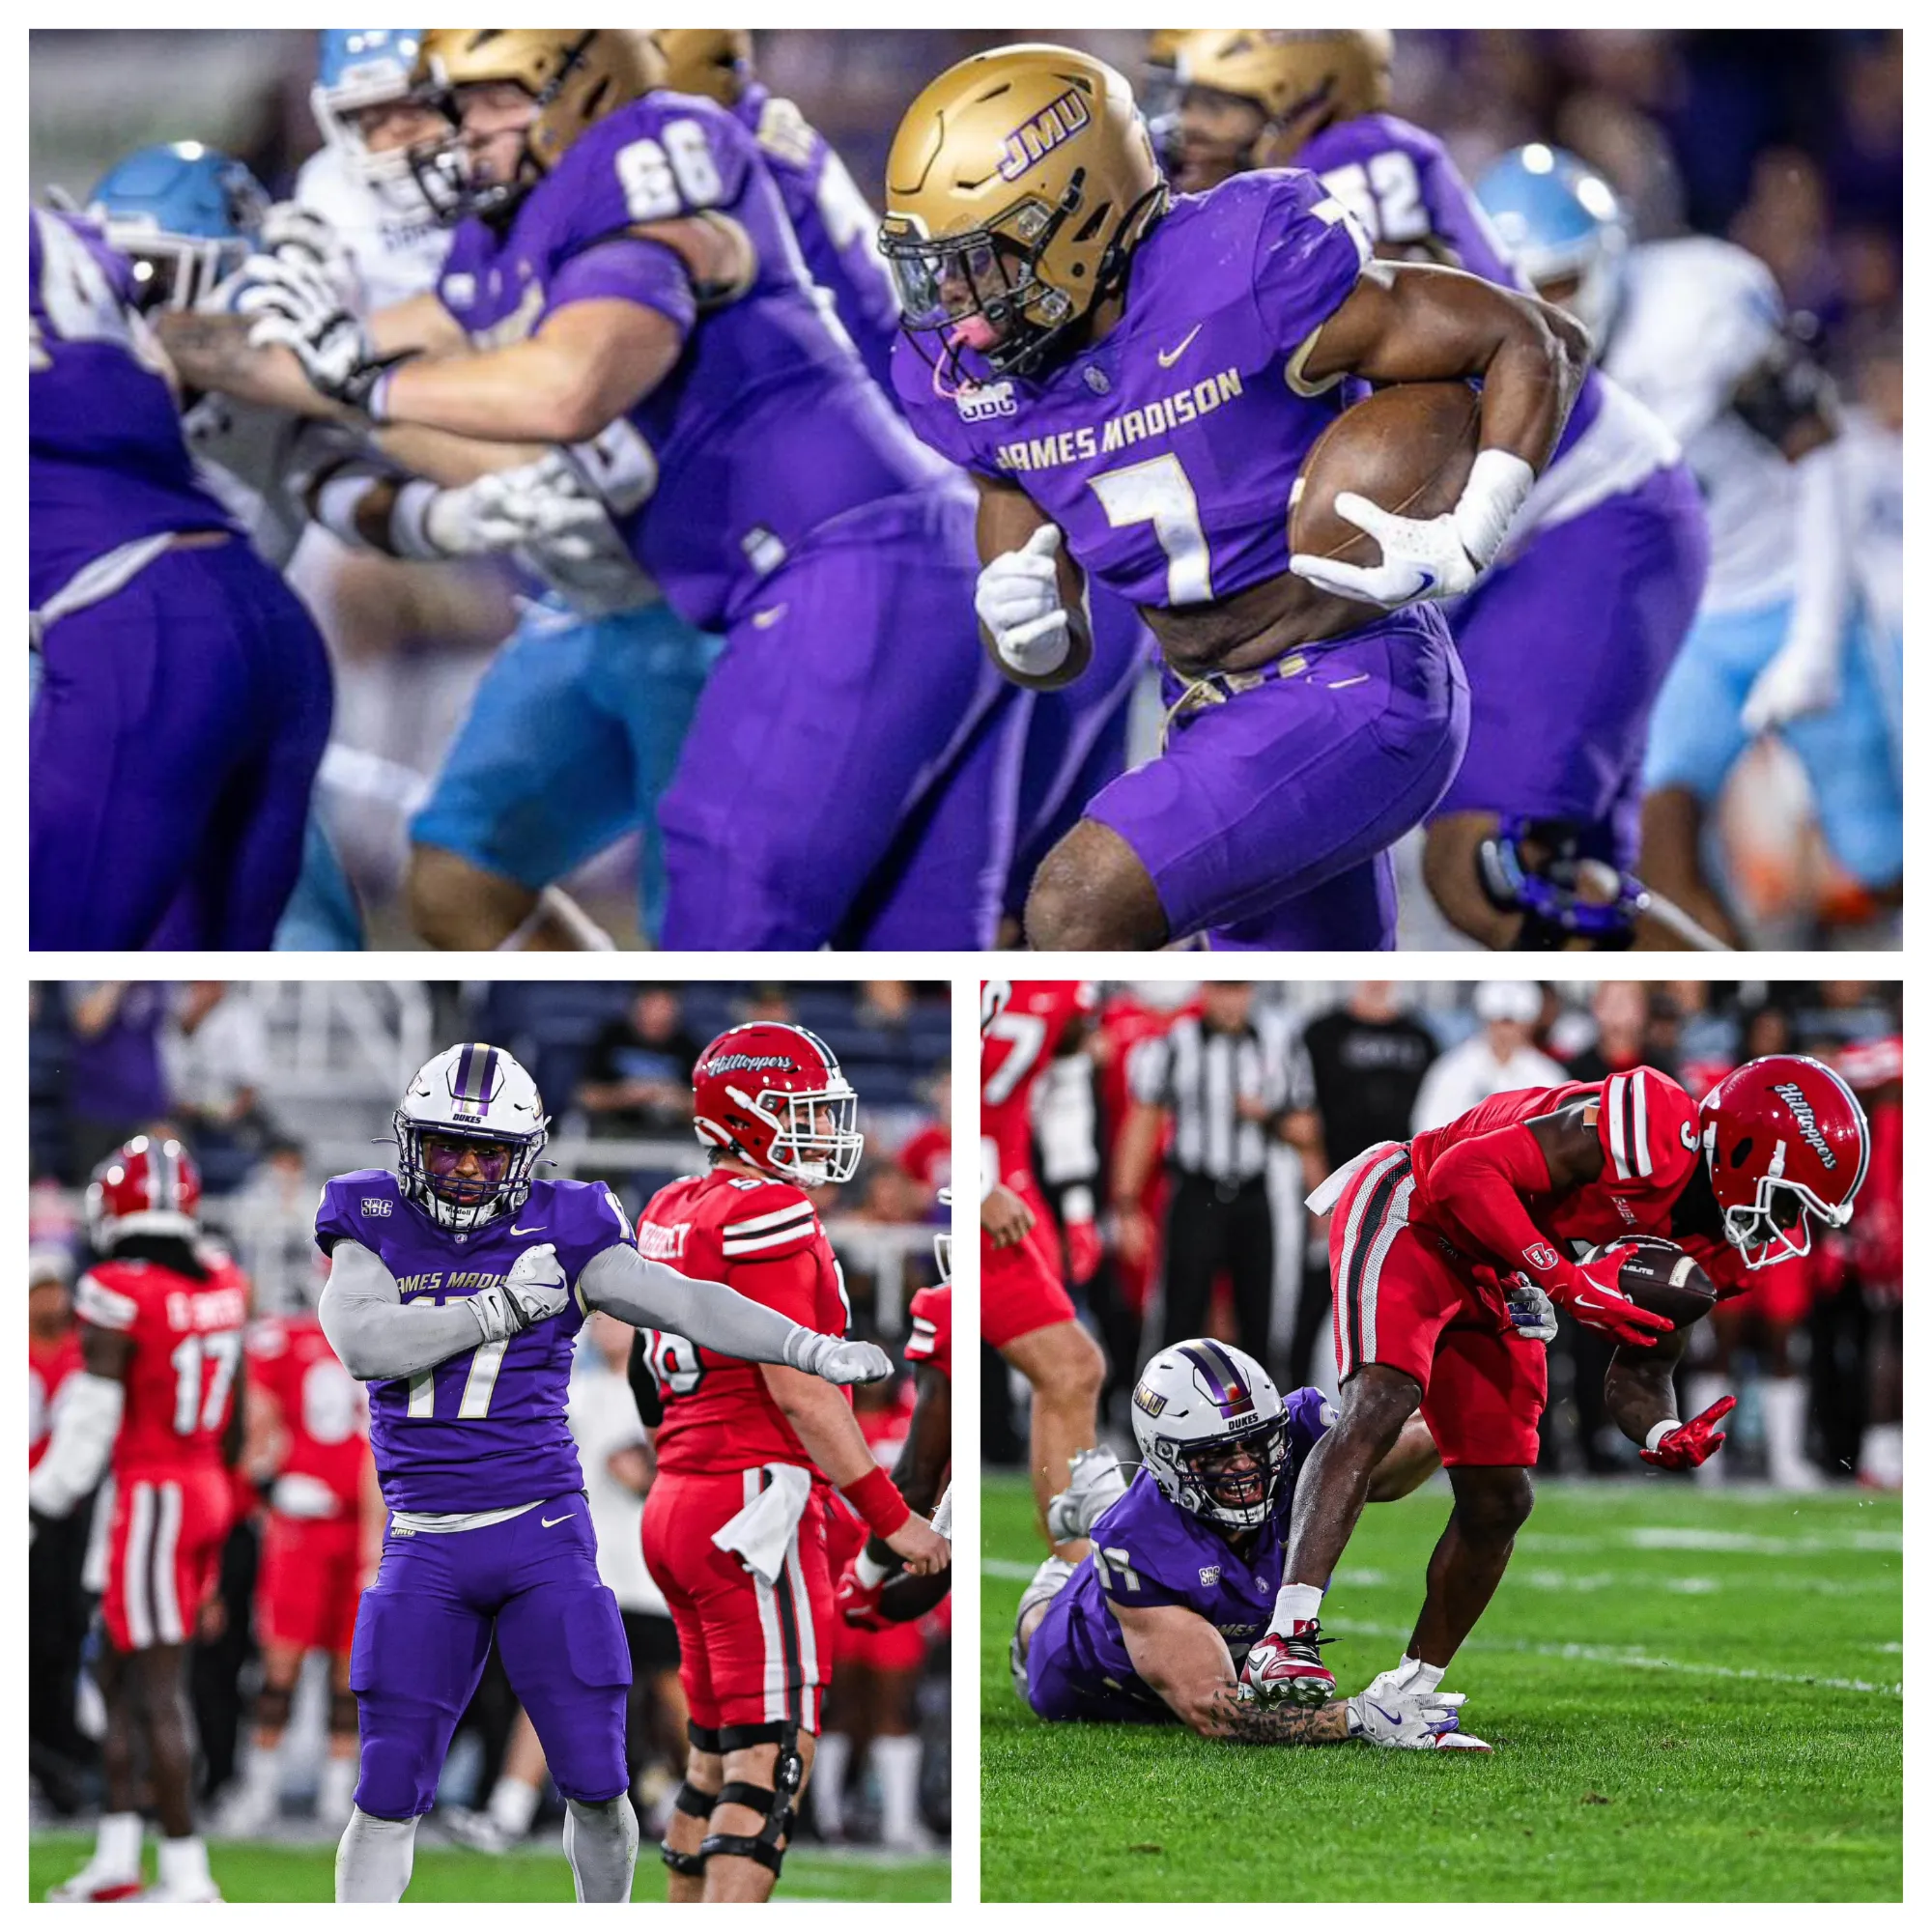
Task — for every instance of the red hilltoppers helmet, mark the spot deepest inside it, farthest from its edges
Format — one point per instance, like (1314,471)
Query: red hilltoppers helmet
(773,1095)
(1784,1139)
(145,1187)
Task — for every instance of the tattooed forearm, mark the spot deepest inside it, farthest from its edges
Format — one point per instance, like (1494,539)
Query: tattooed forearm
(1250,1723)
(213,352)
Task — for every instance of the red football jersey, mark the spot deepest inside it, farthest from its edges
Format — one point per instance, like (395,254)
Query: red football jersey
(188,1352)
(1014,1051)
(1647,1126)
(325,1418)
(931,1337)
(927,1156)
(47,1367)
(761,1237)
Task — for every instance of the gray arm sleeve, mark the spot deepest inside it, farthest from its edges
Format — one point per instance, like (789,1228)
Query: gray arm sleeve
(374,1333)
(647,1294)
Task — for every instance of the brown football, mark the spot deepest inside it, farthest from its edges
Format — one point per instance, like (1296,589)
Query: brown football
(1663,1279)
(1409,449)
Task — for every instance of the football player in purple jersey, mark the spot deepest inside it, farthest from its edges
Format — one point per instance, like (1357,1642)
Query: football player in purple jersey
(1134,380)
(456,1285)
(1152,1626)
(1567,638)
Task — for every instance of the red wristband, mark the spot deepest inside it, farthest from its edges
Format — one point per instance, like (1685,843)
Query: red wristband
(877,1498)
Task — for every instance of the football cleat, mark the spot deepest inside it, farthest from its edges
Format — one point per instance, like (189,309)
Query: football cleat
(1048,1580)
(91,1884)
(1096,1485)
(1289,1669)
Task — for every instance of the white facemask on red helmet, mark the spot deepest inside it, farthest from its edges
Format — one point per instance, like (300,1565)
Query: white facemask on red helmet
(1784,1142)
(145,1187)
(772,1094)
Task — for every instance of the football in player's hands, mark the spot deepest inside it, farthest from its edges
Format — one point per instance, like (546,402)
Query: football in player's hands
(1658,1274)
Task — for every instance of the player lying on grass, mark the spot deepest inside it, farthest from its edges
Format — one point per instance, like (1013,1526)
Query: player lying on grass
(457,1287)
(1449,1258)
(1152,1626)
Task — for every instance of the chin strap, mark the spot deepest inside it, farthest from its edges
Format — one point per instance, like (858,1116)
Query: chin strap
(1547,891)
(777,1803)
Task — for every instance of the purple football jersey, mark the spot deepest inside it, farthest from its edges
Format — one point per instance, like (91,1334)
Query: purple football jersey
(1167,452)
(1148,1552)
(484,1430)
(768,428)
(1397,180)
(106,464)
(837,229)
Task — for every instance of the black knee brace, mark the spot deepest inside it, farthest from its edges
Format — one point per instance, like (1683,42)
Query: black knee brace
(777,1803)
(272,1708)
(694,1804)
(703,1737)
(343,1712)
(687,1865)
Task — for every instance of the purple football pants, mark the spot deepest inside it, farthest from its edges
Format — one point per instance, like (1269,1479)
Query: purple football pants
(1566,645)
(1265,822)
(848,778)
(173,746)
(423,1634)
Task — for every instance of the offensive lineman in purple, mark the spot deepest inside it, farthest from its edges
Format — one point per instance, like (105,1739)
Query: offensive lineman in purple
(1154,425)
(1605,560)
(185,698)
(642,284)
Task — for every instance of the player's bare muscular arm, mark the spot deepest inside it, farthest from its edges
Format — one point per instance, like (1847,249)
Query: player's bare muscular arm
(1639,1389)
(1571,1145)
(1182,1656)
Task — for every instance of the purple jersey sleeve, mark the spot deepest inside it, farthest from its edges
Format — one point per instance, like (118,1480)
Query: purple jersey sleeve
(628,268)
(351,1201)
(1309,254)
(584,1219)
(1309,1419)
(942,414)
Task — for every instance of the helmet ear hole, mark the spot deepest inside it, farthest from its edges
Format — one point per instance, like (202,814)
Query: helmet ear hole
(1741,1153)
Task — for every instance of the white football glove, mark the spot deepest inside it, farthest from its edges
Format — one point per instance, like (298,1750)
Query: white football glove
(297,306)
(532,1292)
(1018,601)
(1799,682)
(1398,1716)
(293,233)
(1426,559)
(546,504)
(836,1362)
(1531,1312)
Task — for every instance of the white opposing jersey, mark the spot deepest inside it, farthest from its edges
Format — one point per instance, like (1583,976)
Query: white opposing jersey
(1872,465)
(395,255)
(1697,315)
(246,453)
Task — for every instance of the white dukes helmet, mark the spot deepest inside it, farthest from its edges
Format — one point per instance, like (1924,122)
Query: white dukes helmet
(1212,1432)
(470,1128)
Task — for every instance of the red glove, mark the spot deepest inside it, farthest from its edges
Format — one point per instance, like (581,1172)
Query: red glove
(1589,1290)
(1084,1251)
(1694,1441)
(859,1602)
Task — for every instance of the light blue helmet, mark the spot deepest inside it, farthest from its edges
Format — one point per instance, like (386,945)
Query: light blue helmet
(367,67)
(185,215)
(1559,219)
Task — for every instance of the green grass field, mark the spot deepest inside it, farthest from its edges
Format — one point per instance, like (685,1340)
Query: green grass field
(1691,1696)
(450,1874)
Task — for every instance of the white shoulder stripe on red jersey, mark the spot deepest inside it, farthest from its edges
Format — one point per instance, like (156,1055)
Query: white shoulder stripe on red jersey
(793,1212)
(779,1238)
(95,1301)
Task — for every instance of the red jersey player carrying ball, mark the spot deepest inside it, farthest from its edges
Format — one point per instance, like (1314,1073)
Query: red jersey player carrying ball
(735,1526)
(1449,1256)
(156,1401)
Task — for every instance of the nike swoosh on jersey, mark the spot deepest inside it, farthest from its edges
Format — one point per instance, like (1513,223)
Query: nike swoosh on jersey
(1168,358)
(537,1230)
(550,1521)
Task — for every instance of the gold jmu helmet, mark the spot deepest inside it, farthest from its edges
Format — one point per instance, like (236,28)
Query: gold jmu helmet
(575,76)
(1301,80)
(714,62)
(1018,187)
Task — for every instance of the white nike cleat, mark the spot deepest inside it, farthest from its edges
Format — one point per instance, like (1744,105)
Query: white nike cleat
(95,1885)
(1048,1580)
(1095,1484)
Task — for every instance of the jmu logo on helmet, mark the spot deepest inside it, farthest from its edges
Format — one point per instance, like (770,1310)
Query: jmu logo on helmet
(1793,1096)
(1145,1398)
(1032,141)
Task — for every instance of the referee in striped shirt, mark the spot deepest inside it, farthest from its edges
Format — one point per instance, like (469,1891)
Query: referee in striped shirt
(1223,1082)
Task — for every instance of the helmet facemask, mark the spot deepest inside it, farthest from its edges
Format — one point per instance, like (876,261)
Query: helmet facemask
(445,176)
(1777,1227)
(433,1150)
(1200,1482)
(815,1137)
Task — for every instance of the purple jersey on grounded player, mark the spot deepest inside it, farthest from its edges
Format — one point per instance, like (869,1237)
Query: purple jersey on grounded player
(768,427)
(1397,180)
(1149,1551)
(1167,452)
(484,1430)
(835,227)
(106,462)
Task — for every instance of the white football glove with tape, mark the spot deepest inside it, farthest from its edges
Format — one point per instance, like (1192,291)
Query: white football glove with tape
(1018,601)
(546,504)
(1426,559)
(296,305)
(1397,1715)
(293,233)
(532,1292)
(837,1361)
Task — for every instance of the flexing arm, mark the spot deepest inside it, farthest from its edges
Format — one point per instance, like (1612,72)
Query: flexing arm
(87,1418)
(1183,1658)
(647,1294)
(1032,597)
(376,1335)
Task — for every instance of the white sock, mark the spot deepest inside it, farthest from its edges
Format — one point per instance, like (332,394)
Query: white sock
(117,1844)
(1786,1398)
(184,1865)
(512,1806)
(601,1844)
(375,1858)
(1882,1453)
(338,1787)
(1294,1603)
(1419,1676)
(896,1762)
(262,1771)
(828,1782)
